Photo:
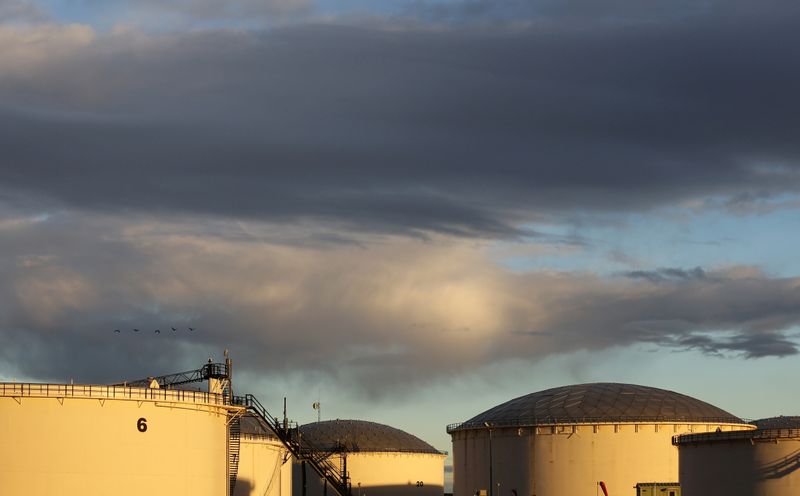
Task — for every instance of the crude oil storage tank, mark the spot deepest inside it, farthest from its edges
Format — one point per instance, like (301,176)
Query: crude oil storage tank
(379,460)
(567,440)
(125,440)
(762,462)
(265,464)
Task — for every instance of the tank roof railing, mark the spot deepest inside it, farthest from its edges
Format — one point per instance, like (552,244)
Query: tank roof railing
(99,391)
(753,434)
(259,436)
(210,370)
(356,449)
(550,421)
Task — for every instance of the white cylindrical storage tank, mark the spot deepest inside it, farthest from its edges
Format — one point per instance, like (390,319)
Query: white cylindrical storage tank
(90,440)
(265,465)
(379,460)
(567,440)
(762,462)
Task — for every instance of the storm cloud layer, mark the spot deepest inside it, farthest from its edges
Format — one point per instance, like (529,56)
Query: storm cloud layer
(451,130)
(328,193)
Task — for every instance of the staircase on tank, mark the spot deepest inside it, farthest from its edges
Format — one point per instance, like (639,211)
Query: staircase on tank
(300,448)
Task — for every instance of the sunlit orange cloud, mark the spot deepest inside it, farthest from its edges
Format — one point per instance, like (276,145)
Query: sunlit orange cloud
(378,305)
(407,291)
(51,292)
(27,49)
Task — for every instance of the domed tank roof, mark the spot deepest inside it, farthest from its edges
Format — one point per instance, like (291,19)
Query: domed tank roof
(360,435)
(249,424)
(781,422)
(599,402)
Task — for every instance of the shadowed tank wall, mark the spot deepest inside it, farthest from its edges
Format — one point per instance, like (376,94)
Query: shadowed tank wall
(382,474)
(100,440)
(568,459)
(759,464)
(265,469)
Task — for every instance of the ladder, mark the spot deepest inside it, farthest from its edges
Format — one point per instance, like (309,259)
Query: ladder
(234,444)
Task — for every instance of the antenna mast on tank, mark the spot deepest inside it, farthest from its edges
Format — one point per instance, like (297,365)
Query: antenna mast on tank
(229,373)
(318,407)
(285,418)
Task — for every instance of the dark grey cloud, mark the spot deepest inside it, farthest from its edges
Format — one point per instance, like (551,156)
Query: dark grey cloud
(362,162)
(667,274)
(731,312)
(750,346)
(617,11)
(223,9)
(457,130)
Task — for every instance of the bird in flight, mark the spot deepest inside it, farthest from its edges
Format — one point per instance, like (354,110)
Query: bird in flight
(173,329)
(136,330)
(158,331)
(191,329)
(116,330)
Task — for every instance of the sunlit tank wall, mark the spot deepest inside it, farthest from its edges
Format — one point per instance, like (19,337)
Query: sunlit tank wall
(555,460)
(84,440)
(382,474)
(265,467)
(755,463)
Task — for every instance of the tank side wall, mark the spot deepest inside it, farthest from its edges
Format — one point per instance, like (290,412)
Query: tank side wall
(764,467)
(261,469)
(84,447)
(382,474)
(286,477)
(568,459)
(395,473)
(511,462)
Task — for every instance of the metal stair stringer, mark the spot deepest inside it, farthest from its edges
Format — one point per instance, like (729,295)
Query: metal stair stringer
(234,446)
(300,448)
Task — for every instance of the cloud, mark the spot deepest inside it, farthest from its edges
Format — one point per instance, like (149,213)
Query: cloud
(215,13)
(591,313)
(327,197)
(207,9)
(28,51)
(399,129)
(375,315)
(750,346)
(667,274)
(21,12)
(544,13)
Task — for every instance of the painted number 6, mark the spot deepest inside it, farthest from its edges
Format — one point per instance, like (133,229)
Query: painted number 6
(141,424)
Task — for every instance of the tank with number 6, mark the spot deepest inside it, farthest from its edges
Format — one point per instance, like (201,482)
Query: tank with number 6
(129,439)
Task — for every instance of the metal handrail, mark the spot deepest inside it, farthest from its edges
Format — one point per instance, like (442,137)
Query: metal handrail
(735,435)
(208,371)
(100,391)
(547,421)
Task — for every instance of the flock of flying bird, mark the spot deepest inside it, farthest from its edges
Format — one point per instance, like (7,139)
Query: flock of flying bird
(157,331)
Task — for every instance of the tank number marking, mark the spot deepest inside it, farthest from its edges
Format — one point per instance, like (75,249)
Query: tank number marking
(420,484)
(141,424)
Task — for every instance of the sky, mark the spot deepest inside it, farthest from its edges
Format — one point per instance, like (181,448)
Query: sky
(408,210)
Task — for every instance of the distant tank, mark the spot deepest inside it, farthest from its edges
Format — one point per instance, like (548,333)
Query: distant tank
(379,460)
(570,439)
